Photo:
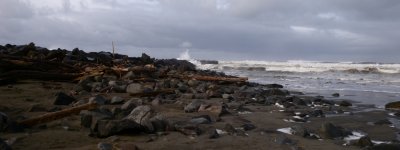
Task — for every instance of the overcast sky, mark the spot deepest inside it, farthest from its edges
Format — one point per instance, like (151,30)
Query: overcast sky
(328,30)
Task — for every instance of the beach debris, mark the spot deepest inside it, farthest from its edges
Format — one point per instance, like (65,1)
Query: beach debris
(57,115)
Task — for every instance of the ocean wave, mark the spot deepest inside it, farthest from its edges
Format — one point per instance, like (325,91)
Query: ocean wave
(306,67)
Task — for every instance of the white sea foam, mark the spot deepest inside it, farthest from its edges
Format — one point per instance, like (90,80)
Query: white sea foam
(309,66)
(371,82)
(355,136)
(287,130)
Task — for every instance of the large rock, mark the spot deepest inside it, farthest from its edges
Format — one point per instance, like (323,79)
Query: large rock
(145,116)
(3,121)
(117,100)
(63,99)
(393,105)
(300,130)
(330,131)
(364,142)
(106,128)
(98,99)
(134,88)
(345,103)
(193,106)
(129,105)
(214,108)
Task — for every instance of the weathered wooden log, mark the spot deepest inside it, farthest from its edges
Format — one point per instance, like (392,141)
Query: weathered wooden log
(38,65)
(214,78)
(57,115)
(154,93)
(6,81)
(38,75)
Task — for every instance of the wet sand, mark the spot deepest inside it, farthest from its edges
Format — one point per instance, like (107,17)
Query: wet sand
(66,133)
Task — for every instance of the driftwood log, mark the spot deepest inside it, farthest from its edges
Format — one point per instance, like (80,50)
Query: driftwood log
(57,115)
(215,78)
(39,75)
(10,63)
(154,93)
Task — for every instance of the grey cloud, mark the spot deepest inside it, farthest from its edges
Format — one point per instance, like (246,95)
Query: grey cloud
(213,29)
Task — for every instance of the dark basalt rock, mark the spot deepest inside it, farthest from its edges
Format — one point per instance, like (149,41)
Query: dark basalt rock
(330,131)
(393,105)
(364,142)
(213,134)
(335,94)
(63,99)
(106,128)
(300,131)
(345,103)
(274,86)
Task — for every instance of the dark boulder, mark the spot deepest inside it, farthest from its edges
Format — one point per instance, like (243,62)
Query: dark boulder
(130,105)
(106,128)
(63,99)
(300,130)
(316,113)
(179,65)
(345,103)
(335,94)
(364,142)
(393,105)
(274,86)
(117,100)
(230,129)
(145,116)
(98,99)
(146,59)
(248,126)
(330,131)
(213,134)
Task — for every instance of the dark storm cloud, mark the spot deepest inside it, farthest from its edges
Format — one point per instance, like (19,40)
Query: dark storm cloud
(358,30)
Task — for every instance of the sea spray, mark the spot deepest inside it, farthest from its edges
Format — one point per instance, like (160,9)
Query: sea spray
(186,56)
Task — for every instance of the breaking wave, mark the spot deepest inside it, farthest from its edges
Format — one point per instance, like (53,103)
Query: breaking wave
(306,66)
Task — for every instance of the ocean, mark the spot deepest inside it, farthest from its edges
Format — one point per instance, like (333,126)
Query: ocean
(362,82)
